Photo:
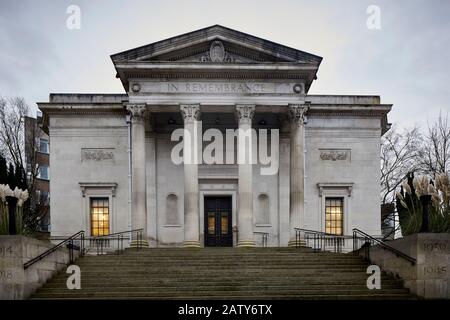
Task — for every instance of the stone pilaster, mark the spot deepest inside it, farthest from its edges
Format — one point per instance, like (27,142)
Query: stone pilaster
(191,114)
(297,115)
(244,115)
(138,174)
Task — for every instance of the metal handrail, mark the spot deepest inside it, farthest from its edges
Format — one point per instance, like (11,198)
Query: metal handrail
(119,236)
(320,239)
(265,237)
(71,247)
(369,240)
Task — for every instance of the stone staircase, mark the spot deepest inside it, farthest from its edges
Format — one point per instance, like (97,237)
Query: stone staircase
(222,273)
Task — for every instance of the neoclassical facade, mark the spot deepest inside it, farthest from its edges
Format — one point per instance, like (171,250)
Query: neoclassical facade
(112,156)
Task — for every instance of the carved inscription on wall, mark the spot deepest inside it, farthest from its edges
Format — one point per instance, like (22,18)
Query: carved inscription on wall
(97,154)
(220,87)
(335,154)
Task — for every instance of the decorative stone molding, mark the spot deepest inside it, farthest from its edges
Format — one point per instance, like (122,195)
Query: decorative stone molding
(217,53)
(245,113)
(137,111)
(335,154)
(344,185)
(98,185)
(190,112)
(97,154)
(297,113)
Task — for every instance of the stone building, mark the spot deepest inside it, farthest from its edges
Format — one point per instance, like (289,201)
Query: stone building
(327,147)
(37,150)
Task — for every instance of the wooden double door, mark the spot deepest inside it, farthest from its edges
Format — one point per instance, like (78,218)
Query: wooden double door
(218,227)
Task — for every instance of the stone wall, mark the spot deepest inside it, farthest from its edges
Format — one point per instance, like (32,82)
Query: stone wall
(430,277)
(17,283)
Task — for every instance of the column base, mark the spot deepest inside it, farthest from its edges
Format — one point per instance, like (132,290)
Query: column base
(246,244)
(139,243)
(191,244)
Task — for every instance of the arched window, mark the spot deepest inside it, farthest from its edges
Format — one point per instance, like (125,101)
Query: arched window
(172,209)
(262,214)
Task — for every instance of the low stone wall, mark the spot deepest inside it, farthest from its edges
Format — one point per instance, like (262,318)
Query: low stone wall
(17,283)
(430,277)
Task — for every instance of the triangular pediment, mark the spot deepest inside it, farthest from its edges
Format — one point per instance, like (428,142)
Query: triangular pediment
(216,44)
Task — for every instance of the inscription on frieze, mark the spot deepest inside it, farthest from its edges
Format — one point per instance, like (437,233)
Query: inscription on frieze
(220,87)
(335,154)
(97,154)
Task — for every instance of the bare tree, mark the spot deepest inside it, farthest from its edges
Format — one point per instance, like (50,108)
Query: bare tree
(434,156)
(18,145)
(399,152)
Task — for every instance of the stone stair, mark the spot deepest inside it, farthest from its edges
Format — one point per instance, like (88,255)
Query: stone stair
(222,273)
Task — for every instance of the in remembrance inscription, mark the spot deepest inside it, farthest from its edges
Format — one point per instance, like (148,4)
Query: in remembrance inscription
(97,154)
(221,87)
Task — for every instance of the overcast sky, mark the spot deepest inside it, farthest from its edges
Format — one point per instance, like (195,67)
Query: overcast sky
(406,62)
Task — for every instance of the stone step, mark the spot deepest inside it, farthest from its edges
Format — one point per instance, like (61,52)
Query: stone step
(222,273)
(225,282)
(216,293)
(217,287)
(195,278)
(234,267)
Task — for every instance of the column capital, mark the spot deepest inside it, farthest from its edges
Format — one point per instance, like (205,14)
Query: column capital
(297,113)
(245,113)
(190,112)
(137,111)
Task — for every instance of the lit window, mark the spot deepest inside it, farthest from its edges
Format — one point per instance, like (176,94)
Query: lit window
(43,145)
(43,172)
(334,215)
(99,216)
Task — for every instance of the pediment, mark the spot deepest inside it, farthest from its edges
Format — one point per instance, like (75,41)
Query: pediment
(216,44)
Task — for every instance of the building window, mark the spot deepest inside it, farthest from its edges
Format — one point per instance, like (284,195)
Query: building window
(99,216)
(43,172)
(172,210)
(43,146)
(263,209)
(334,215)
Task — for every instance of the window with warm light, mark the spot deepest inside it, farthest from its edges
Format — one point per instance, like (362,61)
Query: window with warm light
(334,215)
(99,216)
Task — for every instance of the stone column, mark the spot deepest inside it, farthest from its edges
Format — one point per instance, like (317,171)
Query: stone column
(297,114)
(138,184)
(244,115)
(191,114)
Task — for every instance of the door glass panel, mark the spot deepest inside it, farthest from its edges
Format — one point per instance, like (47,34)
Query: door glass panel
(224,223)
(211,223)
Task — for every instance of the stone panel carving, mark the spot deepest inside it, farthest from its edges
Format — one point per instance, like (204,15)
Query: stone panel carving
(97,154)
(335,154)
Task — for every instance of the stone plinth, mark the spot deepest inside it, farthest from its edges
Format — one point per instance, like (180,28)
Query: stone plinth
(17,283)
(430,277)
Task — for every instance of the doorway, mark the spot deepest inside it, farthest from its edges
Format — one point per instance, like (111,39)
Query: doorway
(218,225)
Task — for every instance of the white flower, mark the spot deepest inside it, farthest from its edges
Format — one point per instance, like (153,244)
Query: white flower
(403,203)
(406,187)
(25,195)
(17,193)
(421,185)
(3,192)
(8,192)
